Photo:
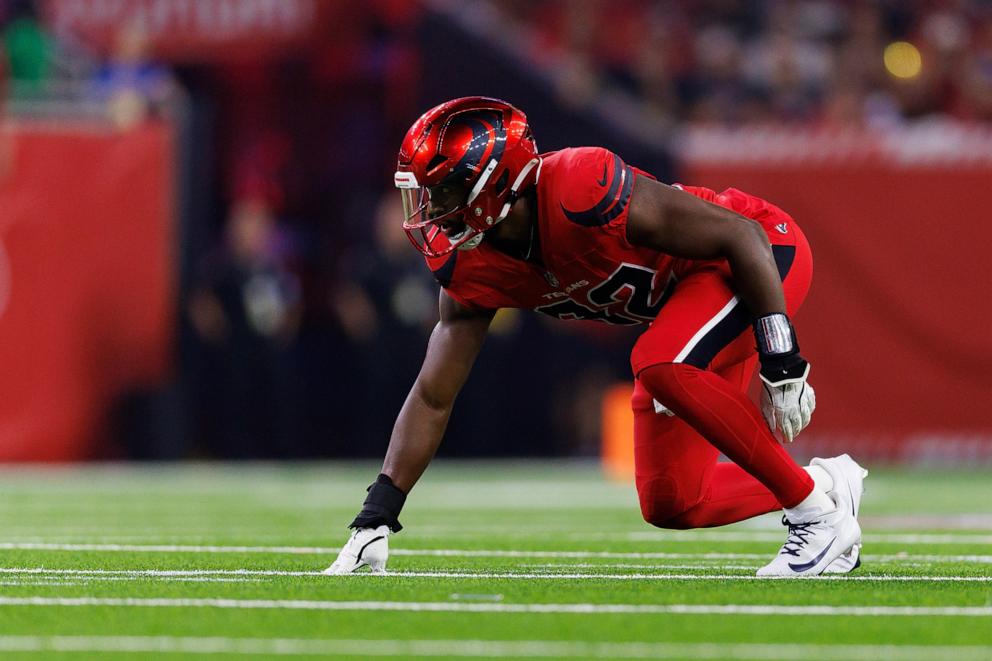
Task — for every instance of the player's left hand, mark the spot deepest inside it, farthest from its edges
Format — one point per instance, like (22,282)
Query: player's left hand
(787,405)
(366,546)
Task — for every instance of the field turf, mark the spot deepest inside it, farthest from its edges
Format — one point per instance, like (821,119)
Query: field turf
(526,560)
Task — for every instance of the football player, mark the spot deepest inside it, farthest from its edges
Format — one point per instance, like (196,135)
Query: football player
(713,278)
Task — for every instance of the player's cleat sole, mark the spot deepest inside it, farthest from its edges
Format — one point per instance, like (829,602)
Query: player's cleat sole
(848,477)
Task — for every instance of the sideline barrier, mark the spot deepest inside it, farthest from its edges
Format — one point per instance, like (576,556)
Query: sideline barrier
(86,291)
(618,432)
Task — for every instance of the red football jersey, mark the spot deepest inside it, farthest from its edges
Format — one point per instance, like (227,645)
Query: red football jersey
(590,271)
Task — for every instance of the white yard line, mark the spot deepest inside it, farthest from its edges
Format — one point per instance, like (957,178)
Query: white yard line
(188,574)
(652,555)
(166,548)
(658,555)
(459,553)
(15,530)
(756,536)
(76,579)
(460,607)
(486,648)
(689,577)
(44,571)
(623,565)
(32,583)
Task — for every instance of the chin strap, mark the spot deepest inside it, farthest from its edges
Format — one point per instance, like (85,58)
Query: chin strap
(530,243)
(517,183)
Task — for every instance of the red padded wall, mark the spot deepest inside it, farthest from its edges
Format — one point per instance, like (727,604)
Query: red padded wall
(86,285)
(898,324)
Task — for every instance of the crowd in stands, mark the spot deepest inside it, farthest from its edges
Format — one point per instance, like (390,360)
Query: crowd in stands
(124,82)
(716,61)
(840,62)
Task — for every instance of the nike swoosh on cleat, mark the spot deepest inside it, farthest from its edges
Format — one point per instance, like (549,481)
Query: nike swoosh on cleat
(371,541)
(812,563)
(602,182)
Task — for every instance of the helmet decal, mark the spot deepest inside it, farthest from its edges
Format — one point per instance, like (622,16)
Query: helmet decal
(481,124)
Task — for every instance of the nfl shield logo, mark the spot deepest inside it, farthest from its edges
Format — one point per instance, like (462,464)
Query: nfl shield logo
(552,280)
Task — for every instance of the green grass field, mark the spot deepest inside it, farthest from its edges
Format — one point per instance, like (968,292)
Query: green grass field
(523,560)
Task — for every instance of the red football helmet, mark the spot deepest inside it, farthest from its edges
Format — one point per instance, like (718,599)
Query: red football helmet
(474,155)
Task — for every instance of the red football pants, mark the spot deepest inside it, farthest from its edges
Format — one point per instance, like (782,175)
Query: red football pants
(697,359)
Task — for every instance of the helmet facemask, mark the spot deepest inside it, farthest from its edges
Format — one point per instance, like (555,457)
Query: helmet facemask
(441,208)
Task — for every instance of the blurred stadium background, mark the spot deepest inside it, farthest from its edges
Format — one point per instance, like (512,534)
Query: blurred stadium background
(201,253)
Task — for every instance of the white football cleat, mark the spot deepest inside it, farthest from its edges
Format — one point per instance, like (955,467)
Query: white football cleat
(812,545)
(848,477)
(846,562)
(366,546)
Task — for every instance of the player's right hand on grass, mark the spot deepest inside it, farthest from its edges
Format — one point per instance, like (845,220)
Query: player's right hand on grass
(367,546)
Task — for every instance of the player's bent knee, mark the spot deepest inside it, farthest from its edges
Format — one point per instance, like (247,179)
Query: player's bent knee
(661,501)
(689,519)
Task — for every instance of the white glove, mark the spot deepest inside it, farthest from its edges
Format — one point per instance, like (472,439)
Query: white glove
(787,406)
(366,546)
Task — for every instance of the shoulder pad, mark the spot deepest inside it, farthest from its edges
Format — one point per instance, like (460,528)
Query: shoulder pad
(596,186)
